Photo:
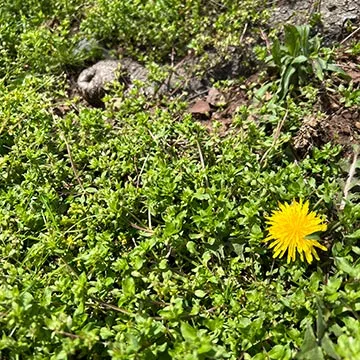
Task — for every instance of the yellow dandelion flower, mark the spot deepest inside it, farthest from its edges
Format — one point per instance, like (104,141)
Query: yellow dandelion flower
(288,230)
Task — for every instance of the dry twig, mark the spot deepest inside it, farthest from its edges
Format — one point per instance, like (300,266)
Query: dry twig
(243,33)
(141,171)
(72,163)
(202,163)
(349,179)
(350,35)
(276,136)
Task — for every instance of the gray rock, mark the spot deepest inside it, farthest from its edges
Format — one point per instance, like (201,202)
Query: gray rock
(334,14)
(91,82)
(133,71)
(187,77)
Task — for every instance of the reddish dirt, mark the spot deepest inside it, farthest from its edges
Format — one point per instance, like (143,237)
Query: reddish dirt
(339,127)
(218,106)
(341,124)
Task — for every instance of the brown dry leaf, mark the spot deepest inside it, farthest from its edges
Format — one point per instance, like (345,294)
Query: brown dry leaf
(268,96)
(200,107)
(61,109)
(252,79)
(215,98)
(355,76)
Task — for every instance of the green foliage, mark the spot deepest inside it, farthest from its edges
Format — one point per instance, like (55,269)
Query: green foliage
(350,95)
(36,36)
(146,23)
(44,36)
(298,59)
(355,48)
(144,252)
(159,28)
(134,233)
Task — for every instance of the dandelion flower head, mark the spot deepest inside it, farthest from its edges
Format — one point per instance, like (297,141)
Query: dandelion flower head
(289,228)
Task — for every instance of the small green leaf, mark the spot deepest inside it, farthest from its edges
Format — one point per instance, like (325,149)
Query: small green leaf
(188,332)
(354,235)
(163,264)
(106,333)
(277,352)
(320,322)
(259,94)
(329,348)
(314,354)
(285,81)
(313,236)
(200,293)
(190,245)
(309,339)
(292,39)
(356,250)
(300,59)
(239,249)
(333,285)
(128,286)
(304,31)
(318,70)
(276,52)
(344,265)
(338,70)
(310,349)
(204,348)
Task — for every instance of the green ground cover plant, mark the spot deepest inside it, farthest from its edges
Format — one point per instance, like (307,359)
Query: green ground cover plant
(298,59)
(132,232)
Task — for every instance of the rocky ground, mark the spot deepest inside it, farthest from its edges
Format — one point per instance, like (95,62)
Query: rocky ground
(335,20)
(332,17)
